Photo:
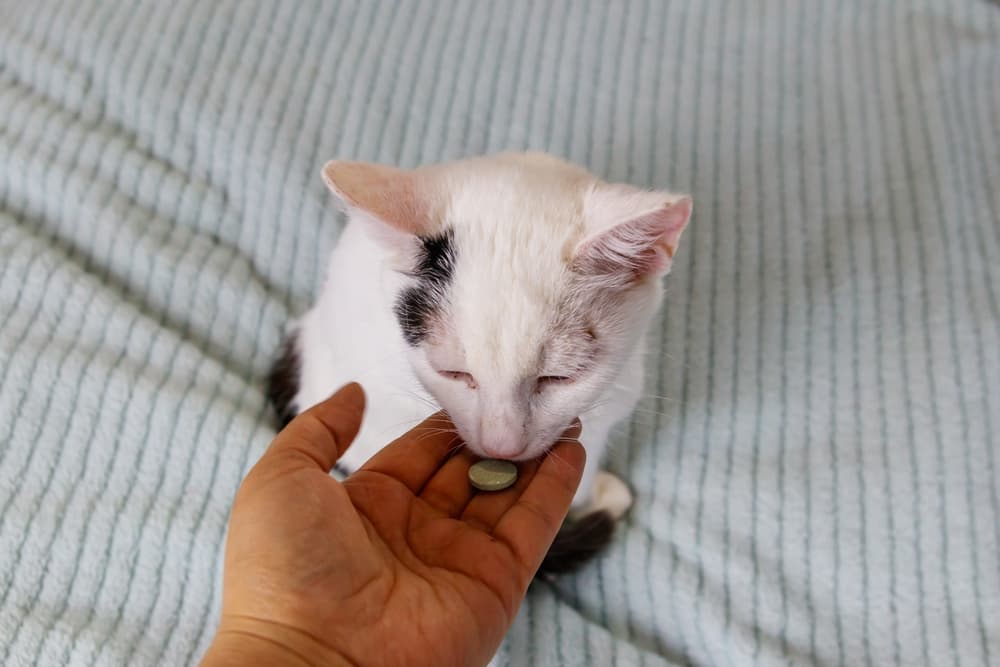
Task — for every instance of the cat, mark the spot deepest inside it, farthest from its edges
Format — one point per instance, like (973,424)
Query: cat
(514,291)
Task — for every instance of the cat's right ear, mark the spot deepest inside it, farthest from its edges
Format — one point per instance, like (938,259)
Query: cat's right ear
(633,233)
(401,200)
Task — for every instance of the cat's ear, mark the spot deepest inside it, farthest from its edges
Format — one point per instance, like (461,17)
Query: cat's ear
(401,199)
(632,234)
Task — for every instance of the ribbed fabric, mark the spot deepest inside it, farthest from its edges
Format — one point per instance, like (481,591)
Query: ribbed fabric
(816,471)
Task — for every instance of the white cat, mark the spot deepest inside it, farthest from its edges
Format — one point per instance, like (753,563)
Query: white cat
(514,291)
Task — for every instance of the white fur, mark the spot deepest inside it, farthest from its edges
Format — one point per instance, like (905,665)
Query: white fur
(611,495)
(516,309)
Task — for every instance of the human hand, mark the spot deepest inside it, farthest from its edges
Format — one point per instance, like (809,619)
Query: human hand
(403,563)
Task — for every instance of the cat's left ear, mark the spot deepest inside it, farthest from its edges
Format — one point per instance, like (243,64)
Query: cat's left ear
(632,234)
(402,200)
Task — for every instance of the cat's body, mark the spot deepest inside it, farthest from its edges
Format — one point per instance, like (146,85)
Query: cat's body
(514,291)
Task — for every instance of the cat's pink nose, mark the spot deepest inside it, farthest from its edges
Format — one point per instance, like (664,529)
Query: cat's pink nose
(503,448)
(501,428)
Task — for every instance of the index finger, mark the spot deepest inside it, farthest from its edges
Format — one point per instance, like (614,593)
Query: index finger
(529,527)
(416,456)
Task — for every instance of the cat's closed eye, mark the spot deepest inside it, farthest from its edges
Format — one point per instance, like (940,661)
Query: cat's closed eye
(461,376)
(542,382)
(552,380)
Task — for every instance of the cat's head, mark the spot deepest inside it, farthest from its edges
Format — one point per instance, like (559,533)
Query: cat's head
(529,284)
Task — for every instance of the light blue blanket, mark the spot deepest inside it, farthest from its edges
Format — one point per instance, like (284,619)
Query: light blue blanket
(816,466)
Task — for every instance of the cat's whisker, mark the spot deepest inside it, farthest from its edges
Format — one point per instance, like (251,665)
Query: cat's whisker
(556,457)
(426,401)
(436,422)
(420,399)
(428,431)
(669,399)
(649,411)
(393,430)
(454,445)
(433,419)
(595,405)
(439,431)
(646,395)
(428,434)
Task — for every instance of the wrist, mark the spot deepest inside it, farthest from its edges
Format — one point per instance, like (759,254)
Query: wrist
(249,641)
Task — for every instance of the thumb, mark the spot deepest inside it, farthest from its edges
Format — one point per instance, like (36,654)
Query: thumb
(325,431)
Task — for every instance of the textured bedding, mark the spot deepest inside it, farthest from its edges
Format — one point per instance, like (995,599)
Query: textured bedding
(816,464)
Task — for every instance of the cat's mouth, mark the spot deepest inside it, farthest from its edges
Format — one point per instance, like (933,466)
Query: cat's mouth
(516,453)
(516,444)
(517,458)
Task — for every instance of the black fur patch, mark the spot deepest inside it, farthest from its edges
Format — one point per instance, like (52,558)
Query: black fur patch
(577,542)
(283,381)
(416,305)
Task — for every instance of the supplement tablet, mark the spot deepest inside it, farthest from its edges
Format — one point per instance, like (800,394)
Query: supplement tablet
(492,474)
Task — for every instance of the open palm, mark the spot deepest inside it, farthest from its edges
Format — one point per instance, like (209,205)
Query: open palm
(402,563)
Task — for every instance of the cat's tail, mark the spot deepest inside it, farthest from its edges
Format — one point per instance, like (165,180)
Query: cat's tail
(578,541)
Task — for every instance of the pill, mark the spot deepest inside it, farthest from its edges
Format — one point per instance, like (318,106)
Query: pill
(492,474)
